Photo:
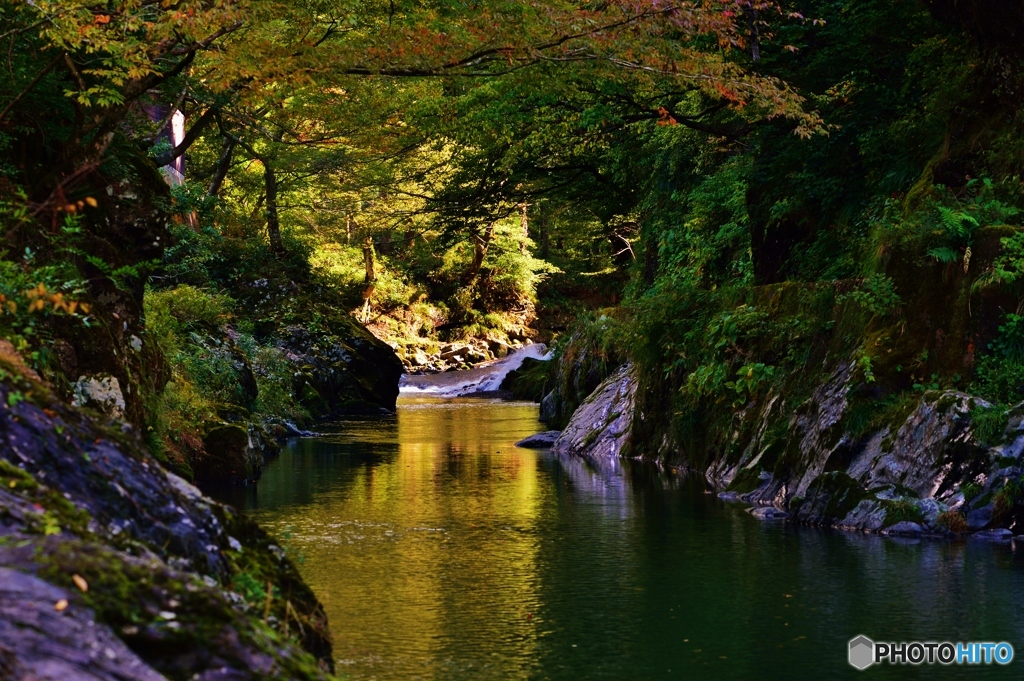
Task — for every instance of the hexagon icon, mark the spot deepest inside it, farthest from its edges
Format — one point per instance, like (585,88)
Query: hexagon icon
(862,652)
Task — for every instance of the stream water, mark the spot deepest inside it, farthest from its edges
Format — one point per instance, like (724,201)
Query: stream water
(441,551)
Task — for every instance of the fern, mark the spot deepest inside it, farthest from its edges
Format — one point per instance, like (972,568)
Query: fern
(958,223)
(944,254)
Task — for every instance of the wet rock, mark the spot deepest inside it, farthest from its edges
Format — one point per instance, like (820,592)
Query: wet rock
(998,535)
(230,457)
(930,510)
(979,518)
(474,356)
(498,348)
(767,513)
(540,440)
(904,528)
(600,427)
(582,367)
(548,407)
(101,392)
(868,515)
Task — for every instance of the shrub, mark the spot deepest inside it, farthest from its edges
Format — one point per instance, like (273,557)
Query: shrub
(901,510)
(954,521)
(1007,498)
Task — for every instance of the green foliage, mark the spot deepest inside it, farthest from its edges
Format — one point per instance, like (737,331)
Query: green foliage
(900,510)
(876,295)
(999,376)
(988,425)
(970,491)
(1007,499)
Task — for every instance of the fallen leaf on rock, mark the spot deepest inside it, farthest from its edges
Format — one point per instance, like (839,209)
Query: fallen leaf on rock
(61,605)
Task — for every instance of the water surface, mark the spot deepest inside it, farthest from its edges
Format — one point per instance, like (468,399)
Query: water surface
(441,551)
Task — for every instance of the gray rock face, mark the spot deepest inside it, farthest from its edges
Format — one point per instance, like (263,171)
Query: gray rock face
(38,641)
(101,392)
(600,427)
(978,518)
(548,407)
(540,440)
(868,515)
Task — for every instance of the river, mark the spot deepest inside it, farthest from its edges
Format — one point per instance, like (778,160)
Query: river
(441,551)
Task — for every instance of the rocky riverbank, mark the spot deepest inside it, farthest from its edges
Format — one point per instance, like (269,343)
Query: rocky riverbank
(928,471)
(113,568)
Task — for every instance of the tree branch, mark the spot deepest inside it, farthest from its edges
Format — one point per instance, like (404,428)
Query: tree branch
(28,88)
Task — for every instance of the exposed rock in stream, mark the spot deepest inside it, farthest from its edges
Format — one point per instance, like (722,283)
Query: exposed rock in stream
(600,426)
(540,441)
(112,568)
(925,473)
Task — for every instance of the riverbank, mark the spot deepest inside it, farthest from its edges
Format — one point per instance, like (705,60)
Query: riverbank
(834,438)
(111,567)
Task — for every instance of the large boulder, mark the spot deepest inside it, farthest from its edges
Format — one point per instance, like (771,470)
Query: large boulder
(345,370)
(600,427)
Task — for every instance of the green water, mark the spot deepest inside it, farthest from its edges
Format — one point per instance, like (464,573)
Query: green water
(443,552)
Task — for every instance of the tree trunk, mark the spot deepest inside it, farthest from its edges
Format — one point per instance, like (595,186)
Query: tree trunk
(273,223)
(481,241)
(371,275)
(223,165)
(544,235)
(348,229)
(371,278)
(524,222)
(755,33)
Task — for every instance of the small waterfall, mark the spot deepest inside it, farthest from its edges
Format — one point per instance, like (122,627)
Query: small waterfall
(483,378)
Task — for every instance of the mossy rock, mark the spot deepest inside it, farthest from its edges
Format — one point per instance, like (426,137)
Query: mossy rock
(746,480)
(76,500)
(226,457)
(830,497)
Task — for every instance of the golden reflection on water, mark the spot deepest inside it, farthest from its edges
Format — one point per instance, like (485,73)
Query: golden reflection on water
(442,552)
(428,546)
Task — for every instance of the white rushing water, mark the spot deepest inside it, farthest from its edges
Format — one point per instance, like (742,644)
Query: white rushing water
(482,378)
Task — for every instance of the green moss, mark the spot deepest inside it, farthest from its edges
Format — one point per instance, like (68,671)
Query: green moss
(988,425)
(946,402)
(746,480)
(52,513)
(842,493)
(159,613)
(867,414)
